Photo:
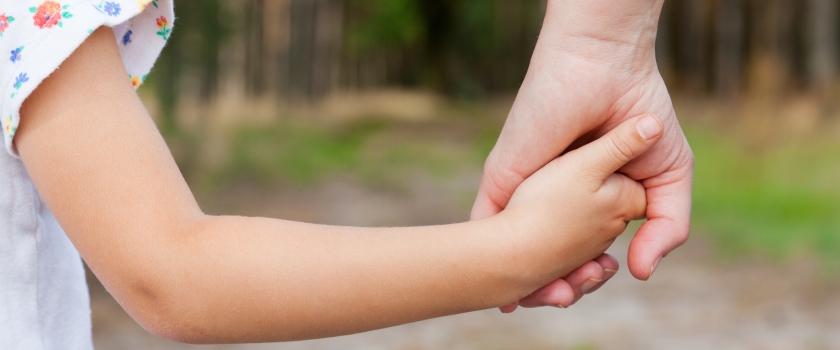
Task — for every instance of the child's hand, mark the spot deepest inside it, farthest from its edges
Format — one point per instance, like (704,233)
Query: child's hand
(577,205)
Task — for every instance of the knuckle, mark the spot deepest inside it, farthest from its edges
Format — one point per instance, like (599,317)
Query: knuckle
(629,198)
(690,160)
(621,149)
(616,227)
(588,173)
(681,238)
(505,179)
(490,163)
(501,181)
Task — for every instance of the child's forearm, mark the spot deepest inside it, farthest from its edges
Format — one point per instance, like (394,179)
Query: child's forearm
(234,279)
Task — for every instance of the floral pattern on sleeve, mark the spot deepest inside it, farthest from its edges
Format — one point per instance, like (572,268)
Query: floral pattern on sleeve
(50,13)
(163,31)
(9,129)
(16,54)
(136,81)
(144,3)
(5,21)
(31,51)
(19,81)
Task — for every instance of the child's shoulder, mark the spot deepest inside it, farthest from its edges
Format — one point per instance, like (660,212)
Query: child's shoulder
(38,35)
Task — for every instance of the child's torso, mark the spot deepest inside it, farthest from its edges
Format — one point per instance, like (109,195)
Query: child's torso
(44,302)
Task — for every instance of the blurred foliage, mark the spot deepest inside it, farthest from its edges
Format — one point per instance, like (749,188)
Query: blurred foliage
(783,202)
(455,47)
(203,27)
(294,153)
(389,23)
(309,48)
(471,48)
(377,152)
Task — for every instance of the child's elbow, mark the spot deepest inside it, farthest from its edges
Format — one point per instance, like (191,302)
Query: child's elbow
(158,298)
(170,324)
(156,311)
(177,332)
(154,300)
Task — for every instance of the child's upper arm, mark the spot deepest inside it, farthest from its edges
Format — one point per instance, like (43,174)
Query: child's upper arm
(102,167)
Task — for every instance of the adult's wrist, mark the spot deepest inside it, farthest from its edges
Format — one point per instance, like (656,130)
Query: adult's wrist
(625,27)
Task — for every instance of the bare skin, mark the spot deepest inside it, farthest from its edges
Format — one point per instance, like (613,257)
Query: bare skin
(102,167)
(594,68)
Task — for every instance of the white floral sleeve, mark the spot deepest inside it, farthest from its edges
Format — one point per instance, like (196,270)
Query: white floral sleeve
(36,36)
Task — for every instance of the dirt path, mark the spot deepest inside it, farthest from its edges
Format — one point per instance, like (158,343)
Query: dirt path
(695,301)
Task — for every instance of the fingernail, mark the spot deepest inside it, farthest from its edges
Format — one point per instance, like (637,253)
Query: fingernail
(589,284)
(648,128)
(654,266)
(561,306)
(610,272)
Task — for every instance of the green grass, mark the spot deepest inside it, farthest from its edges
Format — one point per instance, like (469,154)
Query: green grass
(782,202)
(296,153)
(369,151)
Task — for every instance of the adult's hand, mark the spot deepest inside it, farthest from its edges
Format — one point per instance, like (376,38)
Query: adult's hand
(594,67)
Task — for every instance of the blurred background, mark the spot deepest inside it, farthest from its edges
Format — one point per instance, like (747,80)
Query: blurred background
(381,112)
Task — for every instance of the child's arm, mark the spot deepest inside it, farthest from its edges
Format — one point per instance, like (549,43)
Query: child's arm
(104,170)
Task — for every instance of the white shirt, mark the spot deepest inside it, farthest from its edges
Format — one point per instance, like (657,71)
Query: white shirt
(44,301)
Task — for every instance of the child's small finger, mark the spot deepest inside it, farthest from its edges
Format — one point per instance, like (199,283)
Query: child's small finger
(629,196)
(636,199)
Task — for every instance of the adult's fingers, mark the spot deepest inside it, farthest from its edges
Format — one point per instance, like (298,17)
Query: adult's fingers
(509,308)
(568,290)
(669,215)
(610,265)
(564,292)
(629,140)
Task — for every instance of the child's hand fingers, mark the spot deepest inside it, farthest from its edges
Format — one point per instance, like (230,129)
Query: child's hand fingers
(629,140)
(629,196)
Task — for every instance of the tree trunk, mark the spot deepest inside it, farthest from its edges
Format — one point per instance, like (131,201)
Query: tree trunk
(665,43)
(254,66)
(276,39)
(822,42)
(771,39)
(327,45)
(693,52)
(729,53)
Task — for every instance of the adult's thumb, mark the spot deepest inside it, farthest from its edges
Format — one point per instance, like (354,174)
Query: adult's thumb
(629,140)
